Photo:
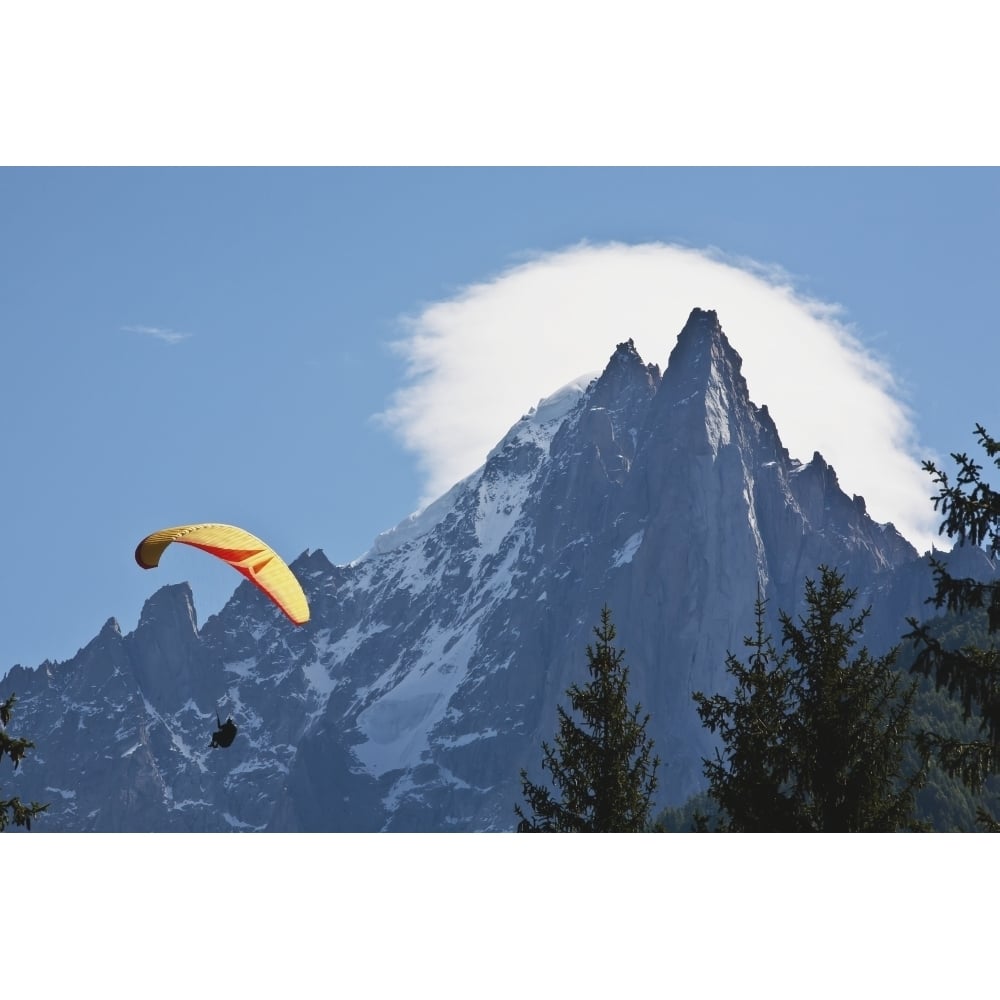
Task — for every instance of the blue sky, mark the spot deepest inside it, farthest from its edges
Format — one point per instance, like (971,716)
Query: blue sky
(216,344)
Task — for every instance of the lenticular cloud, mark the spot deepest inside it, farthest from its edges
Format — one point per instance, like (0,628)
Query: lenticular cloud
(479,360)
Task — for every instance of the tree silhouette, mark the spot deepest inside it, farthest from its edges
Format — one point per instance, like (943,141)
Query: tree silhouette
(14,810)
(971,510)
(814,739)
(603,767)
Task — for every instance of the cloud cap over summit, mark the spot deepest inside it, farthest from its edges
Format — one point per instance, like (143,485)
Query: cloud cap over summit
(495,346)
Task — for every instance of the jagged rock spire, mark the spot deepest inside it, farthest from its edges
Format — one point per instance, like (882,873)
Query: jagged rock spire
(702,357)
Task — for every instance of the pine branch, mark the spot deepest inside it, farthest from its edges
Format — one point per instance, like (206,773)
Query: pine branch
(14,808)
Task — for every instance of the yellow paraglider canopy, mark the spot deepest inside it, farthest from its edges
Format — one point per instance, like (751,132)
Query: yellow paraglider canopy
(246,553)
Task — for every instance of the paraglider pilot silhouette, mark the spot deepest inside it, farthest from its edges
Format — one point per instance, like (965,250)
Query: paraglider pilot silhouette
(225,734)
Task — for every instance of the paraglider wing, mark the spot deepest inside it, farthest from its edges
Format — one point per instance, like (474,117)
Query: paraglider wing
(246,553)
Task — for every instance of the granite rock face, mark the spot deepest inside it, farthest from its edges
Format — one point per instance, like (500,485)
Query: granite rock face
(431,669)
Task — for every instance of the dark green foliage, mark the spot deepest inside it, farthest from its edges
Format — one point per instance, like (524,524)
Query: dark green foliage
(603,769)
(698,815)
(970,673)
(751,781)
(14,810)
(943,803)
(815,737)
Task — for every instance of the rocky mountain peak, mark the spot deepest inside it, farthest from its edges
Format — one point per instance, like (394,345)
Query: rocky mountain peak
(171,606)
(167,653)
(626,379)
(626,356)
(433,665)
(703,353)
(703,401)
(111,628)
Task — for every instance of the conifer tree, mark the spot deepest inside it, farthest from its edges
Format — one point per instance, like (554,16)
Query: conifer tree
(14,810)
(752,780)
(971,510)
(603,768)
(813,739)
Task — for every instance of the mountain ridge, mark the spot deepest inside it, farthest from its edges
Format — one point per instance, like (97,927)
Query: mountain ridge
(433,664)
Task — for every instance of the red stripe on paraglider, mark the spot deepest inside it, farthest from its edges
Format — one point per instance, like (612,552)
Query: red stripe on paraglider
(229,555)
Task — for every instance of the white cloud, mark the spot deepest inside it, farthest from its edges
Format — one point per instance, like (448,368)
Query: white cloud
(167,336)
(482,358)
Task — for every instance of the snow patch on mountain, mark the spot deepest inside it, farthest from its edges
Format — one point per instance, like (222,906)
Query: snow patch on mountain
(504,492)
(416,525)
(450,742)
(624,555)
(176,739)
(541,422)
(242,668)
(412,573)
(398,724)
(499,509)
(537,426)
(238,824)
